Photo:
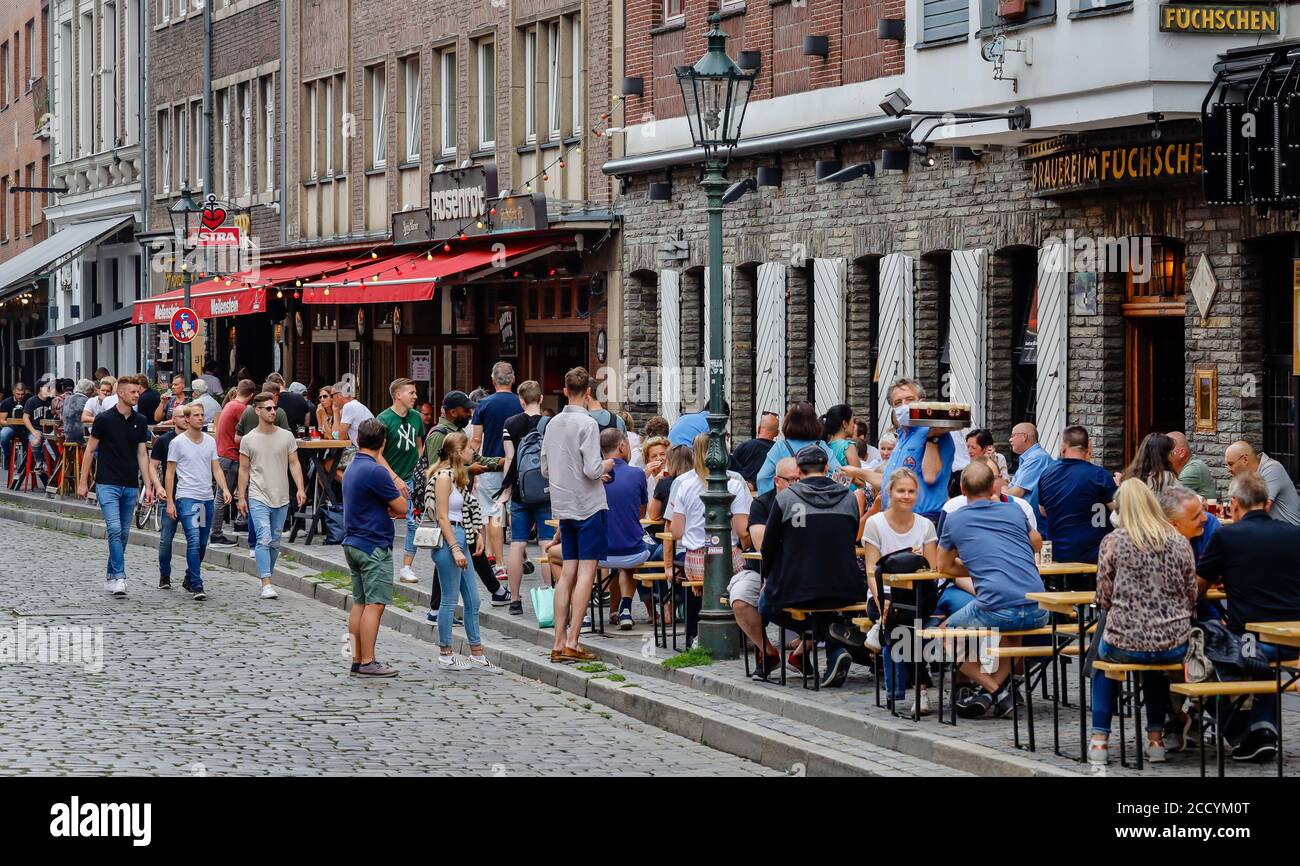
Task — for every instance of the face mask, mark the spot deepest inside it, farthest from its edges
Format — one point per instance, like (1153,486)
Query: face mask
(902,414)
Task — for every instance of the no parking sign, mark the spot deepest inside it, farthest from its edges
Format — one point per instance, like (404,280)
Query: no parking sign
(185,325)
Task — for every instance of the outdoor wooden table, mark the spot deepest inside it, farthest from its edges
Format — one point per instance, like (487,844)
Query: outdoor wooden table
(14,422)
(1279,634)
(905,581)
(1073,604)
(646,521)
(1215,594)
(323,458)
(752,555)
(1049,570)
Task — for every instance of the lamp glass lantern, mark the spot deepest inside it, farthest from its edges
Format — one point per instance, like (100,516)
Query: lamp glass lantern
(184,214)
(716,93)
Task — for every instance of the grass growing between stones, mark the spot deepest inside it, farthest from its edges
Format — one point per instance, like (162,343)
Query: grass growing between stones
(336,579)
(694,657)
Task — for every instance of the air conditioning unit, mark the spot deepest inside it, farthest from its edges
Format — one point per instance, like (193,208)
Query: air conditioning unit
(1012,8)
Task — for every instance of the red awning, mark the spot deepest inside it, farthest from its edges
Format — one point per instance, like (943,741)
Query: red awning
(236,294)
(413,277)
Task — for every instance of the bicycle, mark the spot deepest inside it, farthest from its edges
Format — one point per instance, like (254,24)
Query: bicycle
(147,516)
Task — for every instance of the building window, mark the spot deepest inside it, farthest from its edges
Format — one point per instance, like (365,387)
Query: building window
(246,131)
(164,152)
(553,79)
(85,85)
(378,93)
(530,86)
(182,139)
(4,71)
(576,88)
(4,209)
(344,108)
(448,97)
(223,100)
(29,32)
(1163,278)
(198,157)
(328,129)
(268,133)
(944,19)
(130,68)
(487,95)
(1038,11)
(165,10)
(64,118)
(313,129)
(33,212)
(108,77)
(674,8)
(412,106)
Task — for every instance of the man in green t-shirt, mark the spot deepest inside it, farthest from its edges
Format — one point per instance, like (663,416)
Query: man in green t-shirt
(1192,473)
(403,448)
(249,420)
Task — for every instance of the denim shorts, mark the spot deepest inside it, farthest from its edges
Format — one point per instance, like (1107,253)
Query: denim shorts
(584,539)
(524,517)
(1019,618)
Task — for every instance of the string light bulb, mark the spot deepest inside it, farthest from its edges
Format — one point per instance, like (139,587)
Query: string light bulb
(297,282)
(463,236)
(373,255)
(279,293)
(493,211)
(428,257)
(545,177)
(327,293)
(446,248)
(562,164)
(480,224)
(297,295)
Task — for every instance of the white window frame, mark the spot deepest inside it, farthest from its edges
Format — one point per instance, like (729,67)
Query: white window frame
(165,148)
(530,86)
(86,85)
(487,93)
(378,116)
(314,127)
(33,51)
(268,134)
(328,129)
(554,86)
(345,101)
(674,9)
(576,56)
(108,76)
(246,117)
(196,123)
(182,145)
(449,93)
(414,108)
(224,186)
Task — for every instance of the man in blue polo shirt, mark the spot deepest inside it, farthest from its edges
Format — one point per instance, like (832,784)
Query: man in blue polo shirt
(927,451)
(370,502)
(1033,461)
(689,426)
(627,496)
(1076,495)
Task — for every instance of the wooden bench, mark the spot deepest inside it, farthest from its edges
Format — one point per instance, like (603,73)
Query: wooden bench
(802,615)
(1239,690)
(1124,673)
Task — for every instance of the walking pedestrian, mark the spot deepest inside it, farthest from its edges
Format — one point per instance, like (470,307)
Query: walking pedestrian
(370,502)
(572,462)
(119,437)
(266,459)
(228,453)
(486,435)
(192,467)
(167,520)
(457,514)
(403,447)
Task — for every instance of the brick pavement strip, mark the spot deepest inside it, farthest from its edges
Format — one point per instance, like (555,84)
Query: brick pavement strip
(240,686)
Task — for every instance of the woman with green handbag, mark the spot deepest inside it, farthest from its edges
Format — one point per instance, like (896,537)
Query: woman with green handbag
(450,499)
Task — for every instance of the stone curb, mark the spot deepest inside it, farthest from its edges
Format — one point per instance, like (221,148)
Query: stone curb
(715,730)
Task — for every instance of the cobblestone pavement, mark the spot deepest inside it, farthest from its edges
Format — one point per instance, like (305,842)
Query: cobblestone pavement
(241,686)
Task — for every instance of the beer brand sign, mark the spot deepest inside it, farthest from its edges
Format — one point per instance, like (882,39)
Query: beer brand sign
(1075,164)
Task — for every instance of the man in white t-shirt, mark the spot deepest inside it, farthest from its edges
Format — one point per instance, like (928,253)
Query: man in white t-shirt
(350,412)
(191,469)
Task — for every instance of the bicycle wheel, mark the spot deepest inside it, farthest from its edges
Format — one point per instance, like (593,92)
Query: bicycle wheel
(146,516)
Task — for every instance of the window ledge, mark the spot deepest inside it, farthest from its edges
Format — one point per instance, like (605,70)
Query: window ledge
(1009,27)
(678,23)
(731,11)
(551,144)
(939,43)
(406,166)
(371,172)
(1100,12)
(572,140)
(445,160)
(486,153)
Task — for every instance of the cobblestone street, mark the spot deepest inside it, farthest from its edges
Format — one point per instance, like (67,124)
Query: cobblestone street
(241,686)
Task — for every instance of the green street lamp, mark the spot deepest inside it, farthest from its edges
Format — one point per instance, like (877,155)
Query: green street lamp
(184,215)
(716,92)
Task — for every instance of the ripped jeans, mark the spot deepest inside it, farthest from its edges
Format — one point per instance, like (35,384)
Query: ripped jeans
(269,522)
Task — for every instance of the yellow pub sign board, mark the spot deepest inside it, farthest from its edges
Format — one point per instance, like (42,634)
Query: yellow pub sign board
(1217,18)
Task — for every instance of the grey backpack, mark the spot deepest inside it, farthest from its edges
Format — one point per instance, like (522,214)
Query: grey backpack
(534,489)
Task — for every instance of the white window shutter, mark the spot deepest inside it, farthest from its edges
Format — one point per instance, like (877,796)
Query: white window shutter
(769,349)
(830,277)
(1053,320)
(670,344)
(967,320)
(896,329)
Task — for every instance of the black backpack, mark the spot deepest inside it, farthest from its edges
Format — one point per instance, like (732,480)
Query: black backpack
(534,489)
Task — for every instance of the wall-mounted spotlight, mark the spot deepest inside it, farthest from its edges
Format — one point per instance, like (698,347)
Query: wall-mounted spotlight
(895,103)
(894,159)
(750,60)
(661,191)
(769,175)
(894,29)
(853,172)
(738,189)
(634,86)
(827,167)
(817,46)
(923,151)
(966,154)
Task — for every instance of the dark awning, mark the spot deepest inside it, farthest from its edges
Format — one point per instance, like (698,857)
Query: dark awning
(114,321)
(55,251)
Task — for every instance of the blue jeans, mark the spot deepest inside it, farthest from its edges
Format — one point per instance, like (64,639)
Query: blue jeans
(166,535)
(410,519)
(269,523)
(454,580)
(196,516)
(1263,713)
(1155,685)
(7,435)
(117,502)
(951,600)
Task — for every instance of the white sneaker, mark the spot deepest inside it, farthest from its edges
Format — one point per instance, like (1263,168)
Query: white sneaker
(1155,753)
(119,588)
(268,591)
(482,662)
(454,662)
(407,575)
(252,553)
(873,638)
(1099,753)
(924,708)
(109,584)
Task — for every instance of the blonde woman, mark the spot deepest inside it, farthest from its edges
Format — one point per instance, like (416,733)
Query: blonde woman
(1146,584)
(456,509)
(897,528)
